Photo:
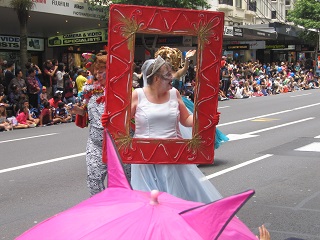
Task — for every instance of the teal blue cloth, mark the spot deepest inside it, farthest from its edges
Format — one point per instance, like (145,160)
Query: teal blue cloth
(219,137)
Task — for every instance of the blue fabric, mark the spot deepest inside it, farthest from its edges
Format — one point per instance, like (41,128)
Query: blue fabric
(219,137)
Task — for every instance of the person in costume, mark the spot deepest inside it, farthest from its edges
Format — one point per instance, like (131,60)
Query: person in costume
(157,109)
(174,56)
(92,108)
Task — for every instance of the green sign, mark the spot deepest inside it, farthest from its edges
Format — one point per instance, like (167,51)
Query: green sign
(85,37)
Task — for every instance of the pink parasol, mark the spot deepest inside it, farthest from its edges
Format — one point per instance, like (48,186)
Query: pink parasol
(122,213)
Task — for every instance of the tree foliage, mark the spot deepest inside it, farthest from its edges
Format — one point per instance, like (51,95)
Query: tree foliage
(306,13)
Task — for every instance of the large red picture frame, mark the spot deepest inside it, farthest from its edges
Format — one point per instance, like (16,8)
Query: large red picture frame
(124,23)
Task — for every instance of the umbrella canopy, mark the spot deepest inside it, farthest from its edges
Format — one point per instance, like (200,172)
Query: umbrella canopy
(122,213)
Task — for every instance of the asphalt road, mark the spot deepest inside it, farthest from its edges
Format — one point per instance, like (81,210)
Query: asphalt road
(274,149)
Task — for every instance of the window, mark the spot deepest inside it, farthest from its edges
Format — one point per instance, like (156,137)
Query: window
(228,2)
(252,6)
(288,2)
(273,14)
(239,3)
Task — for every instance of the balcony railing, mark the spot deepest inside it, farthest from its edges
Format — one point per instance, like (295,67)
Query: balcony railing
(228,2)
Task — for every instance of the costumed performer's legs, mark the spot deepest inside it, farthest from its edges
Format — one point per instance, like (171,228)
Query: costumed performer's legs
(96,169)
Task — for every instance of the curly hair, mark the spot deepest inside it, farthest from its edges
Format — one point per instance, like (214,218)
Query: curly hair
(173,55)
(100,61)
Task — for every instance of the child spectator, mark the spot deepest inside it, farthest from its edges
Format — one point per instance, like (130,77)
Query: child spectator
(5,124)
(33,116)
(62,114)
(22,118)
(46,115)
(43,95)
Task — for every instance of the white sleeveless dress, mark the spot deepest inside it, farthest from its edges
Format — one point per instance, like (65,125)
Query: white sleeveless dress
(185,181)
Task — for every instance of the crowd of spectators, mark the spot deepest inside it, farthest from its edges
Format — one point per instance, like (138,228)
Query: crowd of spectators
(40,97)
(255,79)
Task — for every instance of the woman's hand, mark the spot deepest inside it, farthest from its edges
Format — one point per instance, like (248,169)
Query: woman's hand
(104,119)
(190,53)
(216,119)
(75,109)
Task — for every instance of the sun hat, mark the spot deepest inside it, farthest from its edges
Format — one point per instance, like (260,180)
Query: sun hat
(58,92)
(158,63)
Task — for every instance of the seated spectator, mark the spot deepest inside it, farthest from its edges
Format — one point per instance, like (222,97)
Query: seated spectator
(22,118)
(62,114)
(257,91)
(246,89)
(33,113)
(56,99)
(5,124)
(46,115)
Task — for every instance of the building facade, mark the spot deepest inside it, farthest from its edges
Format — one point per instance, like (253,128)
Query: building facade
(265,29)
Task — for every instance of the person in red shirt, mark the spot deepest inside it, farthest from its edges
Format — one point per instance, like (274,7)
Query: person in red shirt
(56,99)
(223,61)
(46,115)
(22,118)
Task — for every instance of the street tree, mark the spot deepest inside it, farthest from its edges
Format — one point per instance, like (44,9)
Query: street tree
(195,4)
(22,8)
(306,13)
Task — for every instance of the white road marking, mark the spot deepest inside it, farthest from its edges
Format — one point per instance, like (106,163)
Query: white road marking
(19,139)
(223,107)
(42,162)
(267,115)
(238,166)
(301,95)
(279,126)
(317,136)
(234,137)
(312,147)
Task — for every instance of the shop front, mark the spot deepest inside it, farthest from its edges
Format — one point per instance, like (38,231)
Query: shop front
(69,47)
(10,50)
